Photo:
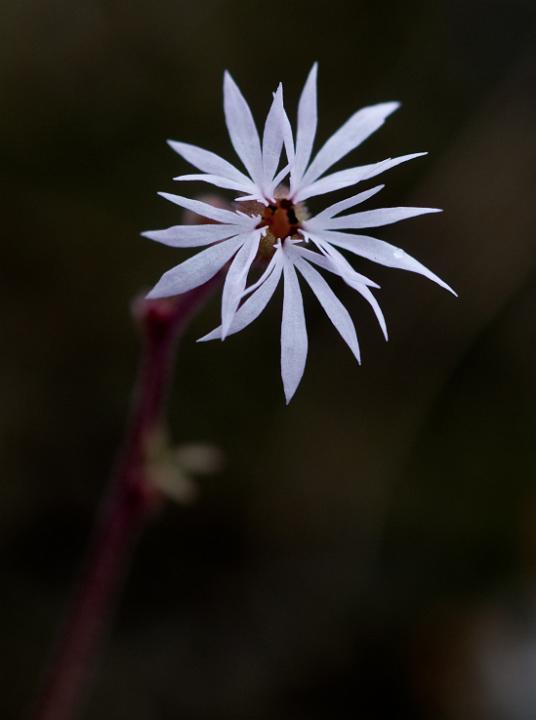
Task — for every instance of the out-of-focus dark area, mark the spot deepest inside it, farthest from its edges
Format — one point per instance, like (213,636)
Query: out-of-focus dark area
(369,551)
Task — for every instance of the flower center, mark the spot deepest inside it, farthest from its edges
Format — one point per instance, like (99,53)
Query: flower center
(281,219)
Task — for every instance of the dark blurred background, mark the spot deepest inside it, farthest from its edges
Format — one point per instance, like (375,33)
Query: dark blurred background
(369,551)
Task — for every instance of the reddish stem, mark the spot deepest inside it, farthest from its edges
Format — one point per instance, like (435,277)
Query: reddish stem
(130,502)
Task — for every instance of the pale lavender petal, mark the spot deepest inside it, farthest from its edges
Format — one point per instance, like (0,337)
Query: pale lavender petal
(196,270)
(293,332)
(334,262)
(339,207)
(369,297)
(370,218)
(242,128)
(257,197)
(335,310)
(219,181)
(276,258)
(280,176)
(307,122)
(208,161)
(337,263)
(212,213)
(382,253)
(272,141)
(288,137)
(330,183)
(351,176)
(236,278)
(184,236)
(253,306)
(354,131)
(384,165)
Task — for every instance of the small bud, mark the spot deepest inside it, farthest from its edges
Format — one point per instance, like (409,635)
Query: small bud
(171,469)
(200,459)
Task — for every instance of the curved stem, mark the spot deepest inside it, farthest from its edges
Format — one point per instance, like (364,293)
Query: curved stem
(130,502)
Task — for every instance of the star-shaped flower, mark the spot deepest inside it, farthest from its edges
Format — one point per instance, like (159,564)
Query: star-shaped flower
(271,225)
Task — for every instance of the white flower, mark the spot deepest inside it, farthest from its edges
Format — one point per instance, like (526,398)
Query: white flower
(236,235)
(272,226)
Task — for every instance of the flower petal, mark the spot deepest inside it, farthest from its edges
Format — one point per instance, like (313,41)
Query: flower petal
(242,128)
(288,137)
(217,180)
(379,167)
(272,140)
(236,278)
(208,161)
(382,253)
(339,207)
(276,257)
(280,176)
(369,218)
(293,331)
(184,236)
(334,308)
(212,213)
(334,262)
(351,176)
(256,197)
(354,131)
(307,122)
(196,270)
(337,263)
(369,297)
(254,305)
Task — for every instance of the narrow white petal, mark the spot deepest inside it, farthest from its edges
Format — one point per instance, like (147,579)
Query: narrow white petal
(382,253)
(307,122)
(236,278)
(337,263)
(339,207)
(208,161)
(196,270)
(334,308)
(272,141)
(276,258)
(369,297)
(288,137)
(384,165)
(257,197)
(334,262)
(373,218)
(351,176)
(330,183)
(354,131)
(209,211)
(293,332)
(242,128)
(184,236)
(253,306)
(219,181)
(280,176)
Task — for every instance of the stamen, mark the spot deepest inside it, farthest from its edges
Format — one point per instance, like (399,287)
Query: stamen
(281,219)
